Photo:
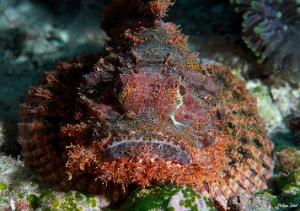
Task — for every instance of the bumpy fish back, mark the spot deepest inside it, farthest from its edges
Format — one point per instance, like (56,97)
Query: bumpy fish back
(143,112)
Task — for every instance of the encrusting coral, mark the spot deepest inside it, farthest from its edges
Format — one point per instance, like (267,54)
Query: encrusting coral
(287,181)
(145,112)
(271,31)
(167,197)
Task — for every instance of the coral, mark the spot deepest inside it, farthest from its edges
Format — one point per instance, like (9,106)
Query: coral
(271,31)
(69,201)
(288,159)
(139,113)
(54,200)
(287,181)
(24,190)
(262,201)
(292,184)
(266,106)
(167,197)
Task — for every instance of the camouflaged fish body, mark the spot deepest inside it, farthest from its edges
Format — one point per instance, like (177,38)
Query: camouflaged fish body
(145,112)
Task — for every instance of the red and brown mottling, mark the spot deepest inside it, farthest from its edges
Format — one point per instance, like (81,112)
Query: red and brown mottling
(145,112)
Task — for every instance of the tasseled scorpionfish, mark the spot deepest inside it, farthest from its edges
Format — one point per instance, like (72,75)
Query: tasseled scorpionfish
(145,112)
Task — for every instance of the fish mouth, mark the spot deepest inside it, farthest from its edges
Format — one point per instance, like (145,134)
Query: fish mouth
(147,148)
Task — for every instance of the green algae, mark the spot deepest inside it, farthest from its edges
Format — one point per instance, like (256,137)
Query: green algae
(78,196)
(5,201)
(55,202)
(289,186)
(256,89)
(34,201)
(20,196)
(90,199)
(190,197)
(292,185)
(46,193)
(94,203)
(3,186)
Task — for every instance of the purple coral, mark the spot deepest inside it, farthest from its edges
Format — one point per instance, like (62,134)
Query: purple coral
(271,31)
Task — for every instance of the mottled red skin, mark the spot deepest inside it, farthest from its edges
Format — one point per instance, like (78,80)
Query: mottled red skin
(139,114)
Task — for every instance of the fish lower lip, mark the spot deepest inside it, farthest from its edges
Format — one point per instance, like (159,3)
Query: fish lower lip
(153,149)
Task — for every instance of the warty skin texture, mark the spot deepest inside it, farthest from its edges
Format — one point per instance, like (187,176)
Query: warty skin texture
(145,112)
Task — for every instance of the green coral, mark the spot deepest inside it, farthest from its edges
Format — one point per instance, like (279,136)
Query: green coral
(166,198)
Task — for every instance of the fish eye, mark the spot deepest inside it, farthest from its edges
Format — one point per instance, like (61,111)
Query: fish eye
(182,90)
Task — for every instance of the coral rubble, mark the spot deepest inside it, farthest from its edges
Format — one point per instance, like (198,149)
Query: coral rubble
(24,190)
(143,112)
